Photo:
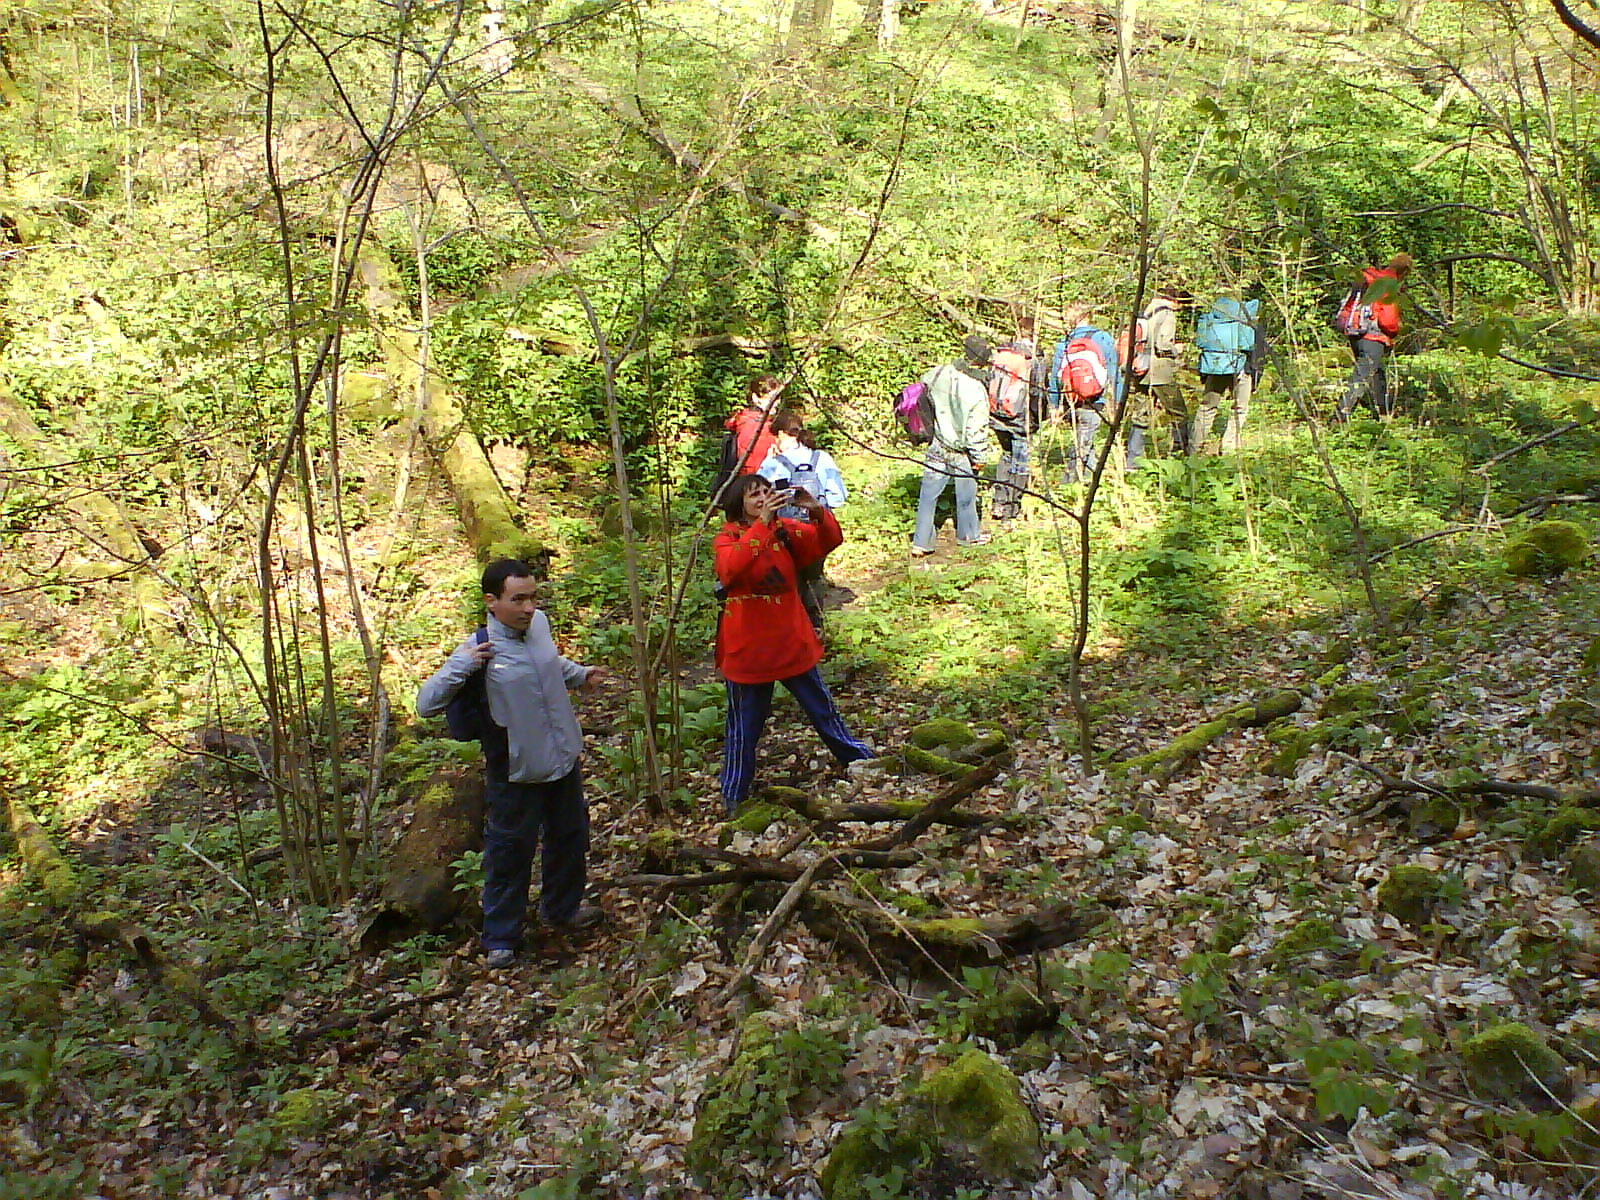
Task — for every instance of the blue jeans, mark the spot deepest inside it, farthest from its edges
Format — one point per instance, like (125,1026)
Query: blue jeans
(749,705)
(938,470)
(1010,474)
(1080,455)
(515,816)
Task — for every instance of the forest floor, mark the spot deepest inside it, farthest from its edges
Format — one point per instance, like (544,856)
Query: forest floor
(1247,1019)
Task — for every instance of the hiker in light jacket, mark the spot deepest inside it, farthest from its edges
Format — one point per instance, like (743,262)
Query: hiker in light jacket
(960,394)
(796,462)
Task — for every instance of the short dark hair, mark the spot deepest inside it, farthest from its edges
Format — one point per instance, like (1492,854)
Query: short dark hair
(502,569)
(733,495)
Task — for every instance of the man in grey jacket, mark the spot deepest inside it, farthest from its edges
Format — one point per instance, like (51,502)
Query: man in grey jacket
(960,394)
(532,783)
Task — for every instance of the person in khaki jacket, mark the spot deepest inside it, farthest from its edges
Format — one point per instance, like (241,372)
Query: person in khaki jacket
(1155,395)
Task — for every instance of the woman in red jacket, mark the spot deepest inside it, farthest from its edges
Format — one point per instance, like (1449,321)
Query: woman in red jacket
(764,636)
(1372,332)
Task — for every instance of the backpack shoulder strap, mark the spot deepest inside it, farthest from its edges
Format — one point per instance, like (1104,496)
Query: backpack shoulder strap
(480,634)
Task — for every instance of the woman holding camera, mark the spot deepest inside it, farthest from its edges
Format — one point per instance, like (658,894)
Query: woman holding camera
(764,636)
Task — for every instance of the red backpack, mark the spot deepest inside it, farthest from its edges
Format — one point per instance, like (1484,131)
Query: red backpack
(1008,383)
(1084,373)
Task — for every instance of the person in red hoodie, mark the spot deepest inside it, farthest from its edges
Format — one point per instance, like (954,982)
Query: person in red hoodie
(764,636)
(751,426)
(1371,325)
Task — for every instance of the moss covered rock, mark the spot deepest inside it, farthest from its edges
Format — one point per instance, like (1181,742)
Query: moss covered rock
(968,1119)
(1409,893)
(1512,1062)
(930,763)
(1435,818)
(1548,548)
(950,749)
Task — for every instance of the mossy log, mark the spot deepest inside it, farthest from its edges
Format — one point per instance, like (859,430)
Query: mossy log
(180,981)
(941,945)
(419,890)
(44,860)
(486,510)
(107,528)
(1175,755)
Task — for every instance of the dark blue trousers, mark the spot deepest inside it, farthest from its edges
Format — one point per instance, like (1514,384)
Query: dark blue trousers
(516,816)
(749,705)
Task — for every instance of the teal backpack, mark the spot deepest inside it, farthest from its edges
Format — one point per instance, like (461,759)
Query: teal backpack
(1224,335)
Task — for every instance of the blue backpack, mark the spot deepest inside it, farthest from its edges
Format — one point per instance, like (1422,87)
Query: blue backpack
(1225,337)
(802,476)
(466,717)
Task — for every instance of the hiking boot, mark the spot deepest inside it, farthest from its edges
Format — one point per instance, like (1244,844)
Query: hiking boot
(499,959)
(587,917)
(920,552)
(983,539)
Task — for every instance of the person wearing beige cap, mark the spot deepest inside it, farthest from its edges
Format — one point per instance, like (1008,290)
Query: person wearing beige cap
(1370,318)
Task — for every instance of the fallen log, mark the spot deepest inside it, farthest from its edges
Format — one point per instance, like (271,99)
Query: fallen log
(352,1021)
(419,890)
(487,513)
(1186,747)
(109,929)
(746,868)
(941,946)
(44,860)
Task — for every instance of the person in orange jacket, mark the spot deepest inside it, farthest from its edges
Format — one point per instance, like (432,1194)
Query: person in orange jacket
(764,636)
(1371,326)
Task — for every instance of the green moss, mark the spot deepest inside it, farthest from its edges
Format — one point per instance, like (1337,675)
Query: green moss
(1306,937)
(949,930)
(1350,699)
(1566,825)
(1548,548)
(975,1104)
(934,764)
(972,1111)
(1512,1062)
(1409,892)
(941,732)
(758,818)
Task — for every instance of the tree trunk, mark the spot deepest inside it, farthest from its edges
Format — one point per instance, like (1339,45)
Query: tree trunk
(419,891)
(486,511)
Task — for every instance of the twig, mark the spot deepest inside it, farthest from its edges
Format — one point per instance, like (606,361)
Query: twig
(937,807)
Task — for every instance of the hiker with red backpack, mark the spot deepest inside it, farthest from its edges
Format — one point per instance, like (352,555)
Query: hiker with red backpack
(1085,371)
(1152,362)
(1370,318)
(1018,397)
(959,394)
